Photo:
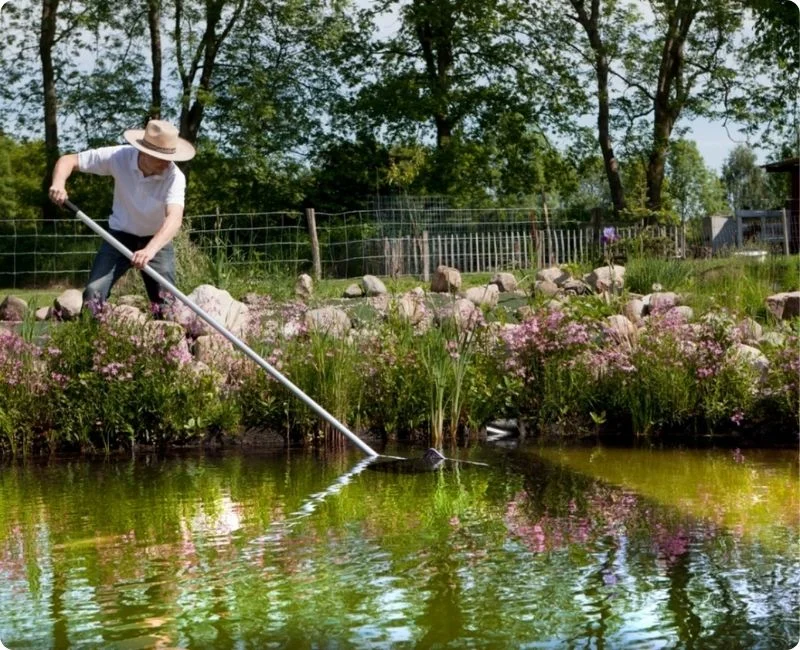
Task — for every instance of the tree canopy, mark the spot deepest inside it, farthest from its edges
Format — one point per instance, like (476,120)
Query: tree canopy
(333,102)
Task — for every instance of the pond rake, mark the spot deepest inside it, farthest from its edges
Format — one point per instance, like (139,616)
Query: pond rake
(431,459)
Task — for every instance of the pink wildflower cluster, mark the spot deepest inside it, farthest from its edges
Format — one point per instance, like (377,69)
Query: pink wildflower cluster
(15,356)
(545,334)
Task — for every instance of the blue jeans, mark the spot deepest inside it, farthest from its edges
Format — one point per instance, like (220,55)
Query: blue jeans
(110,265)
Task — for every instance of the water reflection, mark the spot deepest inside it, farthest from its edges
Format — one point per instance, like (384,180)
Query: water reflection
(542,549)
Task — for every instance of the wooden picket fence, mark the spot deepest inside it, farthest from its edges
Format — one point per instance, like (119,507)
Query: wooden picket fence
(495,251)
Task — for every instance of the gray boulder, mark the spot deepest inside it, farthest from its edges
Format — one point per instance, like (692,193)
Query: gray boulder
(373,286)
(446,279)
(219,304)
(353,291)
(610,277)
(784,305)
(328,320)
(506,282)
(552,274)
(304,286)
(68,305)
(13,309)
(486,297)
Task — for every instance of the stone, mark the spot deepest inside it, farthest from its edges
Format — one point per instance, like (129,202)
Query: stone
(462,311)
(373,286)
(133,300)
(217,303)
(353,291)
(610,277)
(13,309)
(661,302)
(446,279)
(524,313)
(752,357)
(68,305)
(622,330)
(328,320)
(484,297)
(411,309)
(304,286)
(750,330)
(129,314)
(572,287)
(784,305)
(552,274)
(685,313)
(506,282)
(209,347)
(545,288)
(634,310)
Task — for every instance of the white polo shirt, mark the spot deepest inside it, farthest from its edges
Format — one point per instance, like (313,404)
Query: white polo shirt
(139,201)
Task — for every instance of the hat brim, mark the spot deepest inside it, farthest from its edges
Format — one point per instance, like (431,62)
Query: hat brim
(183,149)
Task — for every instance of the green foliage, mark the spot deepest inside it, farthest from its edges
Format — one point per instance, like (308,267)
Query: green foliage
(741,285)
(694,189)
(21,169)
(150,394)
(747,184)
(102,384)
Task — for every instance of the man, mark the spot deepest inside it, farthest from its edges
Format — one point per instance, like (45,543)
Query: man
(148,204)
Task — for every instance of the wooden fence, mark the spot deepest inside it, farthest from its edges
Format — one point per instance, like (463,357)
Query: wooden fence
(495,251)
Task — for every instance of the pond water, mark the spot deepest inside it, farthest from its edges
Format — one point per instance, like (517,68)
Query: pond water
(545,548)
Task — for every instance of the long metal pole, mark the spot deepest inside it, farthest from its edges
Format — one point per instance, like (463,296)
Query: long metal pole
(247,350)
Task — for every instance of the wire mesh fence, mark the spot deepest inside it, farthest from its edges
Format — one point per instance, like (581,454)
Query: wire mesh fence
(410,239)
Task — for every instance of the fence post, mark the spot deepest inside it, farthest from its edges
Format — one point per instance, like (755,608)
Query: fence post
(426,257)
(785,223)
(597,225)
(546,212)
(312,231)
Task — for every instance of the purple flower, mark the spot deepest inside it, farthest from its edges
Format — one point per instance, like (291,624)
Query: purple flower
(609,235)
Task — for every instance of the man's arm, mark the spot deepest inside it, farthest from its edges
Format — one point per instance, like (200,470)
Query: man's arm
(65,165)
(170,227)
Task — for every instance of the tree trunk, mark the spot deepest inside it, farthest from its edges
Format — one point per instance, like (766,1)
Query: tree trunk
(671,94)
(590,24)
(192,109)
(153,22)
(434,29)
(609,160)
(46,41)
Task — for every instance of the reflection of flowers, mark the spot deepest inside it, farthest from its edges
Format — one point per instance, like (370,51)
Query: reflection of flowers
(605,513)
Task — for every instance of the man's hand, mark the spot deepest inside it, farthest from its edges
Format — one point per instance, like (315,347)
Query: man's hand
(58,194)
(142,257)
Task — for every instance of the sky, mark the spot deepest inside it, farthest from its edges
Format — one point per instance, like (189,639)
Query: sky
(715,144)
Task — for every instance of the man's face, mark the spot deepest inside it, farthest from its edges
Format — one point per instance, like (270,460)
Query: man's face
(151,165)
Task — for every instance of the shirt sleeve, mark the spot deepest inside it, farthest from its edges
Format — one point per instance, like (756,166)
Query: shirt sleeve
(98,161)
(177,189)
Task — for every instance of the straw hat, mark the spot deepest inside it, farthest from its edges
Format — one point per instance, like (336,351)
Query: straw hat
(160,140)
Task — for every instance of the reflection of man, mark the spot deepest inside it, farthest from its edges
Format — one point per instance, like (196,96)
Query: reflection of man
(148,204)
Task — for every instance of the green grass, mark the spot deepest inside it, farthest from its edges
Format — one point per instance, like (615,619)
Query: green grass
(736,284)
